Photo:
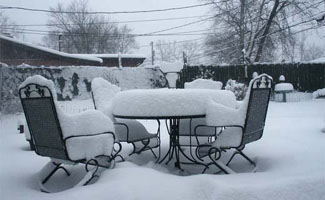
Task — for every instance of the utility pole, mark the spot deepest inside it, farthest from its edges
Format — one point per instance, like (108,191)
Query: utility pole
(185,58)
(60,41)
(119,60)
(152,54)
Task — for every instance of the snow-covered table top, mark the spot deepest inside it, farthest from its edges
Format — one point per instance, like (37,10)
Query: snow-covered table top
(283,87)
(168,103)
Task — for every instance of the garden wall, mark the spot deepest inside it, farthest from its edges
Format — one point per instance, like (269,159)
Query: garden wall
(73,81)
(304,76)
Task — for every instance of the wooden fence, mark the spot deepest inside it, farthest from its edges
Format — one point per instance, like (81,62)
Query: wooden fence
(304,76)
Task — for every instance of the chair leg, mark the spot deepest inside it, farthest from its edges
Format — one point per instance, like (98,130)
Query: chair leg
(240,152)
(247,158)
(144,148)
(153,152)
(91,173)
(121,157)
(118,151)
(47,172)
(232,156)
(215,160)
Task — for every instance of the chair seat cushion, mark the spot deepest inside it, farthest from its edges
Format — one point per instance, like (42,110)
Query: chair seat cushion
(184,127)
(137,131)
(89,147)
(229,138)
(86,125)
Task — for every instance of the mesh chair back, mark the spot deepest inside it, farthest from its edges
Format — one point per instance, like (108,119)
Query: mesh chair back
(42,119)
(257,109)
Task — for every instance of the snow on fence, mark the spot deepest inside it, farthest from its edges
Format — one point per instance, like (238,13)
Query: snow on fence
(305,77)
(73,82)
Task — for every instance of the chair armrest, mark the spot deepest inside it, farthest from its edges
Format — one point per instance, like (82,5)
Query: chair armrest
(219,115)
(90,135)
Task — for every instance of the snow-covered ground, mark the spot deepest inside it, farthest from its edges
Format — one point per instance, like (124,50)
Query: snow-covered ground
(290,160)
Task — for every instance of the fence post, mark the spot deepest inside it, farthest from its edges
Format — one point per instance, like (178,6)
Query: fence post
(1,88)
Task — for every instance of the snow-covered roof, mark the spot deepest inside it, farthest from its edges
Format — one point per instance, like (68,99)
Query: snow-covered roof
(318,60)
(52,51)
(113,55)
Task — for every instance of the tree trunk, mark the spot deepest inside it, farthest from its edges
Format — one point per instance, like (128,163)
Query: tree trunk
(266,31)
(241,29)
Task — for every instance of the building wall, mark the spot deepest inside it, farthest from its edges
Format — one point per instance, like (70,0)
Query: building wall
(13,53)
(128,62)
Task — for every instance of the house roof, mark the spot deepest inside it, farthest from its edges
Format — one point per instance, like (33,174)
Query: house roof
(318,60)
(52,51)
(140,56)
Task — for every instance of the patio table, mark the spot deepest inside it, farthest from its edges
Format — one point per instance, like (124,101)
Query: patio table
(169,104)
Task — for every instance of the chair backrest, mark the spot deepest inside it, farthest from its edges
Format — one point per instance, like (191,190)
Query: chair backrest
(41,116)
(102,92)
(259,98)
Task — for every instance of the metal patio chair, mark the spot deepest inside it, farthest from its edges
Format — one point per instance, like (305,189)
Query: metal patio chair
(204,134)
(51,138)
(239,126)
(126,130)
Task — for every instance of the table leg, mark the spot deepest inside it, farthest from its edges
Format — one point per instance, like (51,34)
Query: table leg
(174,146)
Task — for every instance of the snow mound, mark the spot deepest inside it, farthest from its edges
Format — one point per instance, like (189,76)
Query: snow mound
(320,93)
(203,84)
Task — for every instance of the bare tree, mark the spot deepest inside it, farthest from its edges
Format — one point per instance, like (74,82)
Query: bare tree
(7,27)
(173,51)
(258,28)
(309,52)
(84,33)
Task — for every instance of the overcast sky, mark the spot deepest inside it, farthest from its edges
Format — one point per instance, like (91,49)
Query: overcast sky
(27,17)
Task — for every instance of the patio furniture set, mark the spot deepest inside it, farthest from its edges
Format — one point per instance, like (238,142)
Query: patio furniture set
(207,121)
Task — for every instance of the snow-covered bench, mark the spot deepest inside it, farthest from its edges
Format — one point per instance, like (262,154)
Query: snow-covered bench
(87,137)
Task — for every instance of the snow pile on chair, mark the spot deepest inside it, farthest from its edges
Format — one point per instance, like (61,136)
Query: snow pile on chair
(103,93)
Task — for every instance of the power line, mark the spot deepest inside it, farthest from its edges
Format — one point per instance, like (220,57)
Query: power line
(154,33)
(179,41)
(181,26)
(277,31)
(29,31)
(41,32)
(102,12)
(113,22)
(155,20)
